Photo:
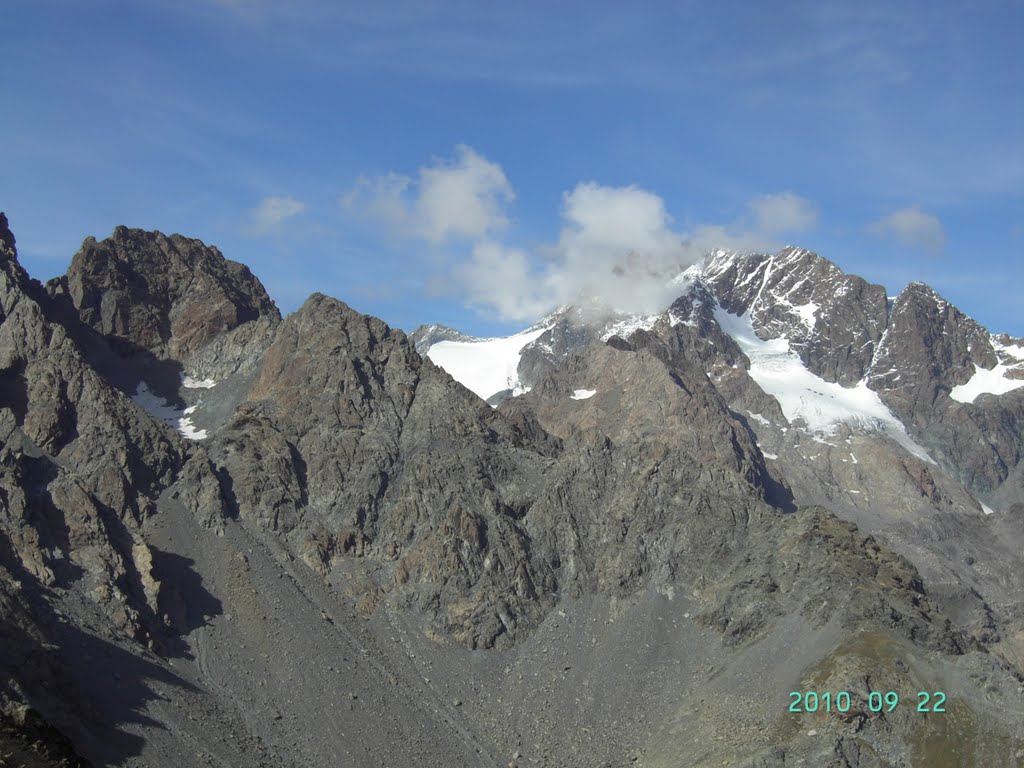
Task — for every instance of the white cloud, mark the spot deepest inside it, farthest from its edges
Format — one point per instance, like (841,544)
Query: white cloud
(617,220)
(461,198)
(502,278)
(710,237)
(911,226)
(784,212)
(768,218)
(382,198)
(271,213)
(617,247)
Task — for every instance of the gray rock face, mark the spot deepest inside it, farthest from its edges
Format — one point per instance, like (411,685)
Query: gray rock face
(640,393)
(167,295)
(8,251)
(81,469)
(61,406)
(930,346)
(568,332)
(357,447)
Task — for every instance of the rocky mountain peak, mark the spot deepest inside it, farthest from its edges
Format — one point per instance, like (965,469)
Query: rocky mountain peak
(166,295)
(832,320)
(426,336)
(929,342)
(8,251)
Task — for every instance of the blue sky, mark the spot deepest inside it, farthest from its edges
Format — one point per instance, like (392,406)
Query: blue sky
(472,163)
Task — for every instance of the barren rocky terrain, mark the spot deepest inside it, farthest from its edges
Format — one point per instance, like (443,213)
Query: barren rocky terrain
(229,538)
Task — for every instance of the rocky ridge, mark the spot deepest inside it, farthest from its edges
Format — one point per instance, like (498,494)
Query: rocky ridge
(354,507)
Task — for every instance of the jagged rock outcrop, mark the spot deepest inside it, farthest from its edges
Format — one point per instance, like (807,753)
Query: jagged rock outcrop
(167,295)
(930,346)
(59,405)
(914,353)
(81,468)
(569,331)
(356,446)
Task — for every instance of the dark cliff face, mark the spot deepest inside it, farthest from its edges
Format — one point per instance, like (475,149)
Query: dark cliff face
(930,347)
(354,511)
(167,295)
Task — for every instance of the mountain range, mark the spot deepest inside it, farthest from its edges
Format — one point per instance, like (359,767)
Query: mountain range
(229,537)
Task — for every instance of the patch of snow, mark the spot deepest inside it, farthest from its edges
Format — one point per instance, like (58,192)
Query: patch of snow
(159,408)
(854,458)
(986,382)
(583,394)
(687,277)
(759,418)
(808,313)
(1015,351)
(190,383)
(987,509)
(186,428)
(802,395)
(629,325)
(771,456)
(485,366)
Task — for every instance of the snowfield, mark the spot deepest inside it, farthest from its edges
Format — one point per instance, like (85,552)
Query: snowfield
(485,366)
(802,395)
(992,381)
(983,382)
(583,394)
